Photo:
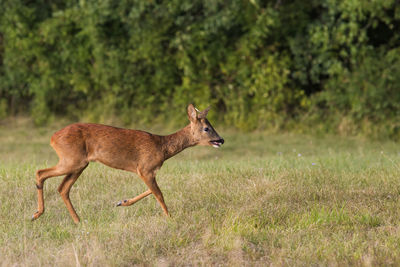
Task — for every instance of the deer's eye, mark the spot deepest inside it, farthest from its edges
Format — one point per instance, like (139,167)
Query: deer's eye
(206,129)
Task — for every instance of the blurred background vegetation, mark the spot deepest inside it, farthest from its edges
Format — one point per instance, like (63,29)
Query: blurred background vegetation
(323,66)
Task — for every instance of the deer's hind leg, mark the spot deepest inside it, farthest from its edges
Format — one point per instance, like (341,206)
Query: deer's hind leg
(41,176)
(62,168)
(64,189)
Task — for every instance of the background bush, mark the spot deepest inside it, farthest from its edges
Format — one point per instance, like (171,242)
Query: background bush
(328,66)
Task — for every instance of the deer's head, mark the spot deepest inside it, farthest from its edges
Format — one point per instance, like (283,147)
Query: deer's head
(202,131)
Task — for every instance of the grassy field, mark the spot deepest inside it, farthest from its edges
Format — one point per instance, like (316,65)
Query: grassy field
(261,199)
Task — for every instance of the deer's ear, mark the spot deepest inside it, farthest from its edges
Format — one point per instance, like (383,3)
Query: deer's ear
(192,114)
(204,113)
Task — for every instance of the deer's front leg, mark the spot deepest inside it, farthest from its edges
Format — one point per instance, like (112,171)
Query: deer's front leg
(152,184)
(128,202)
(149,178)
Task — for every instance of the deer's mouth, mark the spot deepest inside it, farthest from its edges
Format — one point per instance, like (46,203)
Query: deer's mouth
(217,143)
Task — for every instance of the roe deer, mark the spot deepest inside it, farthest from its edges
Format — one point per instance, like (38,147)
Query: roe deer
(131,150)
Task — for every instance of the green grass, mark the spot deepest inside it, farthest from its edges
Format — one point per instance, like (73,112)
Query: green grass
(259,200)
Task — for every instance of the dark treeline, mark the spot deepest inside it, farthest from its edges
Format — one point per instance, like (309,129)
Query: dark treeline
(326,65)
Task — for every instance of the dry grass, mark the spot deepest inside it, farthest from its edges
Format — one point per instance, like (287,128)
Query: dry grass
(260,200)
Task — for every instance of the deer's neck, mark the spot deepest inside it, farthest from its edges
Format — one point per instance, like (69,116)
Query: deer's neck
(176,142)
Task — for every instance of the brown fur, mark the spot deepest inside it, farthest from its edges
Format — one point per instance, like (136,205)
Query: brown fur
(136,151)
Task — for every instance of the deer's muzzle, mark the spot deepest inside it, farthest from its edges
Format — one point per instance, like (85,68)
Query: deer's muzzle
(217,143)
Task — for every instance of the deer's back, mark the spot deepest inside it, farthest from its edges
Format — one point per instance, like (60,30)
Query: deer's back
(116,147)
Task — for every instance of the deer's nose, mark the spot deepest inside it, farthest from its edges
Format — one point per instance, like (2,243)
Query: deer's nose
(221,140)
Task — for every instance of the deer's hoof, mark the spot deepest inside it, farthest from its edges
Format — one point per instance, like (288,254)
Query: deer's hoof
(122,202)
(35,216)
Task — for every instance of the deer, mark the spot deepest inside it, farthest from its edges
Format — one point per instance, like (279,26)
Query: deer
(134,151)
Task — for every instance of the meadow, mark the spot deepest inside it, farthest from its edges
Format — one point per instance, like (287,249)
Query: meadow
(261,199)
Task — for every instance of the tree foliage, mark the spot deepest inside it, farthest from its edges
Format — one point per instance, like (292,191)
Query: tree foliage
(260,64)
